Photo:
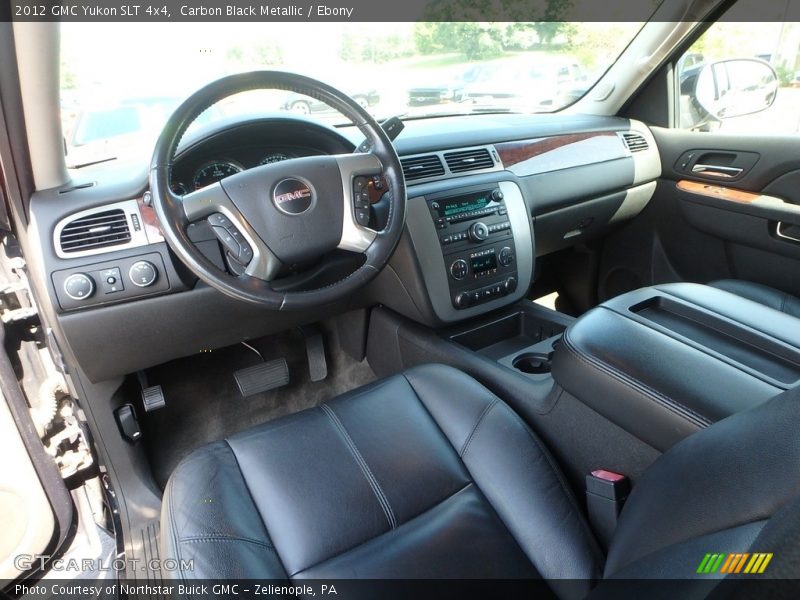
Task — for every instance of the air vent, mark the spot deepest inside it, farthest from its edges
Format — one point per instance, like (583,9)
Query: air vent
(635,142)
(469,160)
(419,167)
(97,230)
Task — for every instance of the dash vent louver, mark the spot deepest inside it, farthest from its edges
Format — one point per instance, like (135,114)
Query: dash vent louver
(96,230)
(420,167)
(469,160)
(635,142)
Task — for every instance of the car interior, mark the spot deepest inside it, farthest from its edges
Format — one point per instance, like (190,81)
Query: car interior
(280,349)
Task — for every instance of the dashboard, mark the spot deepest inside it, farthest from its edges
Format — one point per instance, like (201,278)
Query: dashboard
(487,194)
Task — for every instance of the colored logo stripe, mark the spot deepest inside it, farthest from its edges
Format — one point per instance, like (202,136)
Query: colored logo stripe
(755,563)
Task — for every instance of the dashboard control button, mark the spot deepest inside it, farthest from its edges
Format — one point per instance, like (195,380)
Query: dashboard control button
(459,269)
(111,281)
(506,256)
(509,285)
(497,194)
(79,286)
(478,232)
(463,300)
(143,273)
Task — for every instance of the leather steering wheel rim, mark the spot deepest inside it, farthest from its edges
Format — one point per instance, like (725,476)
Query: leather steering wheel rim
(175,213)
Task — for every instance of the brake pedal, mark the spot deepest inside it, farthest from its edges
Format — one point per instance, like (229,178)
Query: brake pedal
(262,377)
(153,396)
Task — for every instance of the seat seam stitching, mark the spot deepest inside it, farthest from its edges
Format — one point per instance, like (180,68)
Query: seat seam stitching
(673,406)
(478,423)
(224,538)
(252,499)
(363,466)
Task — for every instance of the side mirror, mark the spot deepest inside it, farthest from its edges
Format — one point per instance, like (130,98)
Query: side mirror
(737,87)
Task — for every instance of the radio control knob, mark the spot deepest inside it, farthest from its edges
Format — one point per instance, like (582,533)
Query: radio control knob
(143,273)
(506,256)
(509,285)
(79,286)
(478,232)
(497,195)
(459,269)
(463,300)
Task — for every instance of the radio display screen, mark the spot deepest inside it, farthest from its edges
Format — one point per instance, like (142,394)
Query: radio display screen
(465,204)
(483,263)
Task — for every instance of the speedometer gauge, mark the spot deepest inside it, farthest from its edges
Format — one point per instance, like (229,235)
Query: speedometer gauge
(273,158)
(213,172)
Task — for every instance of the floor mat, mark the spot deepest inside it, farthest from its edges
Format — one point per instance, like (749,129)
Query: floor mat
(204,403)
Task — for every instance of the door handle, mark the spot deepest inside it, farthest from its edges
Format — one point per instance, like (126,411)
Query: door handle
(717,171)
(788,231)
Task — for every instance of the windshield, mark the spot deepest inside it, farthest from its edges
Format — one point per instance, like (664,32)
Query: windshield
(121,81)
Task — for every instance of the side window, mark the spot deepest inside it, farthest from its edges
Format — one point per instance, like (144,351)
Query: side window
(741,78)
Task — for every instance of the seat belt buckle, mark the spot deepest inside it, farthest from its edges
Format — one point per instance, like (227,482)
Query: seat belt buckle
(606,492)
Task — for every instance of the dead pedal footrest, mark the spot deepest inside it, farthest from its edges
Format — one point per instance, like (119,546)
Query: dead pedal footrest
(262,377)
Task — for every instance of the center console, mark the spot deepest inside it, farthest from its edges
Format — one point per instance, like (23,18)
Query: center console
(474,246)
(664,361)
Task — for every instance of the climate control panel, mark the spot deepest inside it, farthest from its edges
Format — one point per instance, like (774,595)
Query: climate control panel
(107,282)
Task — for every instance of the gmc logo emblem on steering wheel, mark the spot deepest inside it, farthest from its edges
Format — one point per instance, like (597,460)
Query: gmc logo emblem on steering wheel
(292,196)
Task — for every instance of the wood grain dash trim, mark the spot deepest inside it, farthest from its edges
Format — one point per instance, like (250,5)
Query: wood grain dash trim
(512,153)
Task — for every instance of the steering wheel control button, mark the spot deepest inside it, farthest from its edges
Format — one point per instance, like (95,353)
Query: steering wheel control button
(227,239)
(362,217)
(143,273)
(79,286)
(111,281)
(506,256)
(219,220)
(478,232)
(459,269)
(292,196)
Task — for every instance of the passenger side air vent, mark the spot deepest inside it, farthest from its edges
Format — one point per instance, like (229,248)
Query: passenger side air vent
(96,230)
(469,160)
(635,142)
(419,167)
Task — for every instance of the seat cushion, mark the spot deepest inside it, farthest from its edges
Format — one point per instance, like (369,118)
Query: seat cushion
(762,294)
(424,474)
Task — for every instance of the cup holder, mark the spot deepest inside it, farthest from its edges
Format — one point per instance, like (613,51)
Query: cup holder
(532,362)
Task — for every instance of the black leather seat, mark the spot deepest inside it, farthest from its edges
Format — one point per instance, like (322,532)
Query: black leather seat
(762,294)
(427,474)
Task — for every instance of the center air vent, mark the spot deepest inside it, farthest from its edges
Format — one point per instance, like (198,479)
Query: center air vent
(96,230)
(635,142)
(469,160)
(419,167)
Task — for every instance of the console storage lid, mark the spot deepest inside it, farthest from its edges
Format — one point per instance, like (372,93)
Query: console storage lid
(665,361)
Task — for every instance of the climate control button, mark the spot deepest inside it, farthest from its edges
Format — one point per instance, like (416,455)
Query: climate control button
(143,273)
(459,269)
(79,286)
(506,256)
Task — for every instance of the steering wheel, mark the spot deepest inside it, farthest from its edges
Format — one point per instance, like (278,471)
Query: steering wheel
(285,213)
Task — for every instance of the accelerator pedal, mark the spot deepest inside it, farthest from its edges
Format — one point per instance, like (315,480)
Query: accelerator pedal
(262,377)
(315,352)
